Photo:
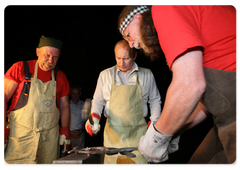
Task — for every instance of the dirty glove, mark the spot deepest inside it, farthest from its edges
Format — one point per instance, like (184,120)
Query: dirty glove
(95,128)
(6,134)
(154,145)
(173,145)
(64,138)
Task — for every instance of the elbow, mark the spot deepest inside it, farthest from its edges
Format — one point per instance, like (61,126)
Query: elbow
(194,88)
(199,88)
(202,86)
(6,99)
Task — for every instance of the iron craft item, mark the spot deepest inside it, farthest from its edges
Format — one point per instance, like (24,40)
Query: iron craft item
(105,150)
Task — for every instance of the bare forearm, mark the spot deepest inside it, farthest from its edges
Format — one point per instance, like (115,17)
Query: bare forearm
(9,88)
(65,117)
(4,111)
(198,115)
(177,109)
(65,111)
(187,86)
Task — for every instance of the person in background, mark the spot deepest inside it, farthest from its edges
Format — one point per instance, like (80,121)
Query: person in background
(124,91)
(39,98)
(77,119)
(199,43)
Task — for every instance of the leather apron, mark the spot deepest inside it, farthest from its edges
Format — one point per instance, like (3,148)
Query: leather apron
(125,124)
(219,146)
(34,128)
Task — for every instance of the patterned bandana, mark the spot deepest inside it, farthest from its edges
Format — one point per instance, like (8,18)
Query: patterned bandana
(130,16)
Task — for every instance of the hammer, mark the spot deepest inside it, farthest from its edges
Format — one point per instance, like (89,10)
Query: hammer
(86,110)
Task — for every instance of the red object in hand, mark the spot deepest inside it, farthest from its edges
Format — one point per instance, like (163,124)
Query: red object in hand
(89,126)
(89,129)
(65,131)
(6,134)
(149,123)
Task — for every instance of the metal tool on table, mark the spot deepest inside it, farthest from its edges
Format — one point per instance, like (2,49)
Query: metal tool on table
(105,150)
(86,110)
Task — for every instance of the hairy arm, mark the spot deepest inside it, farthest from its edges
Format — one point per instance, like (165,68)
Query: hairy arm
(198,115)
(187,86)
(9,88)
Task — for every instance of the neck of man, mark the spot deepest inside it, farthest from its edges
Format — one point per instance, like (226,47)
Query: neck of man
(75,101)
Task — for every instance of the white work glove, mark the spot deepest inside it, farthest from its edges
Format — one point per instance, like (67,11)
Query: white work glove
(64,139)
(95,128)
(173,146)
(154,145)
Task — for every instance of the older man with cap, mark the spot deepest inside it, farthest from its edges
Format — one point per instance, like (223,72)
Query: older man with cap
(39,95)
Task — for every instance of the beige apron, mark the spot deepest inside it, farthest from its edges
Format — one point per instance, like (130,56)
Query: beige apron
(34,128)
(125,124)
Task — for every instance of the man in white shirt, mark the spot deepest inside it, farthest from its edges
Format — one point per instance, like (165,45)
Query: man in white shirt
(77,121)
(124,91)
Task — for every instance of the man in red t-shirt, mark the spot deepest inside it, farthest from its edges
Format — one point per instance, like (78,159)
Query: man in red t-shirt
(199,43)
(32,133)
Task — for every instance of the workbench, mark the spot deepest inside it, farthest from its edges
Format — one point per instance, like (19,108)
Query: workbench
(76,158)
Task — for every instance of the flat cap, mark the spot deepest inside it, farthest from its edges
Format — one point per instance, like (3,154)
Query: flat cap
(49,41)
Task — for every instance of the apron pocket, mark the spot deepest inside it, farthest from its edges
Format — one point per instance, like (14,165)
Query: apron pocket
(20,148)
(214,101)
(49,120)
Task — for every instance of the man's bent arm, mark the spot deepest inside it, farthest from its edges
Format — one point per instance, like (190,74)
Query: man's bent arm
(187,86)
(9,88)
(64,110)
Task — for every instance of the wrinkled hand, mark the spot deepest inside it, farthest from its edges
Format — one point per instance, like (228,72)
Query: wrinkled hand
(154,145)
(95,128)
(64,138)
(6,134)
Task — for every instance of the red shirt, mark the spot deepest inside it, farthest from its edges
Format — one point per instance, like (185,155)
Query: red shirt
(16,73)
(211,27)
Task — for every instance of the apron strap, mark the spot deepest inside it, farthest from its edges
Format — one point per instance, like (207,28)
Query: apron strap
(26,71)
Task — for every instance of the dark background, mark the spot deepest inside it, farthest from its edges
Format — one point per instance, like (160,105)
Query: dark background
(89,34)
